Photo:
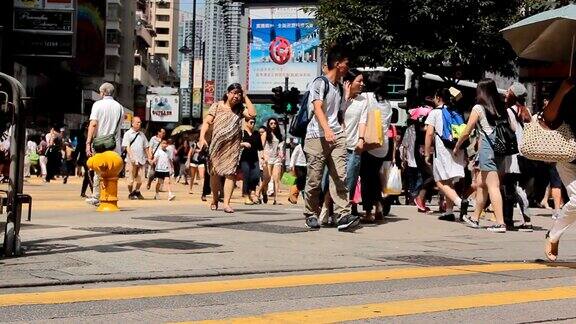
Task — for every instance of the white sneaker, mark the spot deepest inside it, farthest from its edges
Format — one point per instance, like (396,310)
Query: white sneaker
(92,201)
(557,213)
(171,197)
(156,196)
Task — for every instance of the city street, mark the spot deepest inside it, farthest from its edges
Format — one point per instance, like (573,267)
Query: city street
(161,261)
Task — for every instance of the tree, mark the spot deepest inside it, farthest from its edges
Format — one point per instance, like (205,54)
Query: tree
(453,38)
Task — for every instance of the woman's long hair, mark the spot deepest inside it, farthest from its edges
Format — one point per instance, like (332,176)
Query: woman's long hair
(352,75)
(487,95)
(270,131)
(239,107)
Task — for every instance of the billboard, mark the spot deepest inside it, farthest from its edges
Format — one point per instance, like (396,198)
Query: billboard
(284,43)
(163,107)
(209,92)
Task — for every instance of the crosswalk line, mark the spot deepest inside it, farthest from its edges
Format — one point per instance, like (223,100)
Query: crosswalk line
(210,287)
(405,307)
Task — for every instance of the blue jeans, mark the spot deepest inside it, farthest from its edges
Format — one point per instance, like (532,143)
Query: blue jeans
(352,172)
(251,172)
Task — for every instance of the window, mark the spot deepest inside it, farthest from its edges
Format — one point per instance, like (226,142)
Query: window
(163,5)
(162,31)
(161,43)
(162,18)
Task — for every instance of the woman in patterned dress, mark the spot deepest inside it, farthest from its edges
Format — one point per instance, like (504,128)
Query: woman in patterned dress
(225,117)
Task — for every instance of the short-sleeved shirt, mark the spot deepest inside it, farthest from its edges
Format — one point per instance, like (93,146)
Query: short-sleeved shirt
(332,105)
(355,113)
(138,147)
(409,142)
(154,143)
(162,161)
(108,113)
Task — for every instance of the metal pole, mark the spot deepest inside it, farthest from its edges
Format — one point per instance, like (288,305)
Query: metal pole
(193,47)
(203,76)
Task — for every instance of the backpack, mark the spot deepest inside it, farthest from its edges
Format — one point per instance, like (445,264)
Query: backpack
(453,127)
(505,142)
(300,121)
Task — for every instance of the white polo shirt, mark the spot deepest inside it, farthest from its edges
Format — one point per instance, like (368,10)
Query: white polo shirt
(107,113)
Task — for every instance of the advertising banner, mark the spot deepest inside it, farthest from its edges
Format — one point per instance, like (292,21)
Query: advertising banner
(209,92)
(41,20)
(197,74)
(59,4)
(284,43)
(28,4)
(163,108)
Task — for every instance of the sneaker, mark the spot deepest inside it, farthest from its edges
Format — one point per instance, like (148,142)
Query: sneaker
(132,196)
(171,197)
(312,223)
(470,222)
(324,217)
(348,222)
(447,217)
(526,227)
(421,205)
(265,198)
(92,201)
(498,228)
(464,208)
(557,213)
(156,197)
(138,195)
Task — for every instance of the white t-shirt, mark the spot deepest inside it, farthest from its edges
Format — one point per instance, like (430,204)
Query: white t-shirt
(355,113)
(154,144)
(332,105)
(138,147)
(162,161)
(445,165)
(108,113)
(409,143)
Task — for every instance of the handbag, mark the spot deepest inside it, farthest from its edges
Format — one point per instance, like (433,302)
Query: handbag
(543,144)
(107,142)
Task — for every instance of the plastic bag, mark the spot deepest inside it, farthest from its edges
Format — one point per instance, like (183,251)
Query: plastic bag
(288,179)
(357,199)
(393,182)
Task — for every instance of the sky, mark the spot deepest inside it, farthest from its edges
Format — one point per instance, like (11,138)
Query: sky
(186,5)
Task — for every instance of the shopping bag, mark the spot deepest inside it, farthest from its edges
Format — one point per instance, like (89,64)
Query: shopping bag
(374,137)
(288,179)
(357,199)
(393,182)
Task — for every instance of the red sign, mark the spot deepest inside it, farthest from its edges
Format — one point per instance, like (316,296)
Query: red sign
(280,50)
(209,92)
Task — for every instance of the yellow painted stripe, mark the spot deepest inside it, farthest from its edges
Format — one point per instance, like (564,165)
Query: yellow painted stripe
(149,291)
(406,307)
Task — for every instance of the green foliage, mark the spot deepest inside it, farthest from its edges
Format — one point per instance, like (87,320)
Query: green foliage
(449,37)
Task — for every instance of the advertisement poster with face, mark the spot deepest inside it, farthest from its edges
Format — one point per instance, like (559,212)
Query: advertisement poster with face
(284,42)
(163,108)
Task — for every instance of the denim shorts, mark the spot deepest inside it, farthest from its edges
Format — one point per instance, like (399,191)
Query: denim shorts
(487,161)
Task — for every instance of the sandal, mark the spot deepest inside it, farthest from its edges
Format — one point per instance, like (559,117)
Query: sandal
(203,198)
(551,248)
(228,210)
(214,206)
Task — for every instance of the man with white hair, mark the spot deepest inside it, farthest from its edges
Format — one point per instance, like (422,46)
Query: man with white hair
(105,120)
(136,145)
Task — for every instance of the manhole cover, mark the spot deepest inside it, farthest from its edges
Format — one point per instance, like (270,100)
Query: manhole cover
(430,260)
(120,230)
(170,245)
(174,219)
(260,227)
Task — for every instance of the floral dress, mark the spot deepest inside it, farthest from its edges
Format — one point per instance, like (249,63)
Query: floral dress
(225,146)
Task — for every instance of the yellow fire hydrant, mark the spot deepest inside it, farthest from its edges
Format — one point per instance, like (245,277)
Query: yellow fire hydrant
(108,166)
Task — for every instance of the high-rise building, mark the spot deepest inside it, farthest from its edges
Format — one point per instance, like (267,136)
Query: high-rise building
(164,19)
(216,60)
(233,12)
(185,36)
(120,24)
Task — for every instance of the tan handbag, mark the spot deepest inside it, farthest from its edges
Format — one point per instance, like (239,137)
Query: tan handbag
(543,144)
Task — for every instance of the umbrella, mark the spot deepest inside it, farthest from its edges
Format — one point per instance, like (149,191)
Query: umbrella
(547,36)
(182,129)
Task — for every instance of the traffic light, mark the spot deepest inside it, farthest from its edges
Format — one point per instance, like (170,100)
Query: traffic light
(293,99)
(278,100)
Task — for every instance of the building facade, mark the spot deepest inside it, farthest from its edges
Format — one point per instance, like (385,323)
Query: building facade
(164,19)
(184,39)
(216,61)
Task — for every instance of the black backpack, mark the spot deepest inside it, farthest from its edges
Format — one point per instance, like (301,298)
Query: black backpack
(505,142)
(302,118)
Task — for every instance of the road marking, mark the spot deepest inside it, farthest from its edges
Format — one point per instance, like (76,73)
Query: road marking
(210,287)
(406,307)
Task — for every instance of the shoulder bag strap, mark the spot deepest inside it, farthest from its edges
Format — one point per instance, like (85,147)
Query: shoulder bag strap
(134,139)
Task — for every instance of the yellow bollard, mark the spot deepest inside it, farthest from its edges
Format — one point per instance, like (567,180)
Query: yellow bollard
(108,166)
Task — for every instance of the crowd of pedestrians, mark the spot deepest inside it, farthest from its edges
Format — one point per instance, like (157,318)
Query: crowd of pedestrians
(349,158)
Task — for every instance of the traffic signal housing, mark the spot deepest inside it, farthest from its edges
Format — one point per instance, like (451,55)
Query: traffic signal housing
(278,100)
(293,99)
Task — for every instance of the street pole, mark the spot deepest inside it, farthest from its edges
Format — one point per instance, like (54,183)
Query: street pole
(192,59)
(203,81)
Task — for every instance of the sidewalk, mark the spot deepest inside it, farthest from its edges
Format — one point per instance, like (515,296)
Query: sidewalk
(69,242)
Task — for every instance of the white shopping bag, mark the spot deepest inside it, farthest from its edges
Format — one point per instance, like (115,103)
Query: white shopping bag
(393,182)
